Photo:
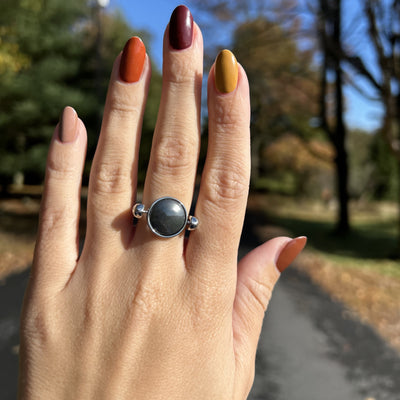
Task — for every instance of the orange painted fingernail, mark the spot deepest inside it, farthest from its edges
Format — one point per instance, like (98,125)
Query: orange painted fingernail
(289,252)
(132,60)
(67,129)
(226,72)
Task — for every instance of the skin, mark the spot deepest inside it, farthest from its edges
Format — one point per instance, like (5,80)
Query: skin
(135,316)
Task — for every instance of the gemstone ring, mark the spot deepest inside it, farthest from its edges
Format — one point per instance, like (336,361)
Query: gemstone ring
(167,217)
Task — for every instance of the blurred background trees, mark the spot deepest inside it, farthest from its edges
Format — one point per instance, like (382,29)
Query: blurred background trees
(55,53)
(300,56)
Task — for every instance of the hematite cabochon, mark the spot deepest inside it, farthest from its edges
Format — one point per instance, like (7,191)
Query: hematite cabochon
(167,217)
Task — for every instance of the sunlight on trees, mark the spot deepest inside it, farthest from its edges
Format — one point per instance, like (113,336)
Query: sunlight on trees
(52,56)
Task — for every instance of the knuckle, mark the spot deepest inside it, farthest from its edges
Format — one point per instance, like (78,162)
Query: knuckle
(59,169)
(122,111)
(39,328)
(124,104)
(260,292)
(228,184)
(182,72)
(54,216)
(110,178)
(228,115)
(173,154)
(148,301)
(224,116)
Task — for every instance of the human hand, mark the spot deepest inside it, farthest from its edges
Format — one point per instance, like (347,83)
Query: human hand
(136,316)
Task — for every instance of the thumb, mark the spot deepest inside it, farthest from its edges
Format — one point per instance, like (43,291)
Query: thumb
(258,273)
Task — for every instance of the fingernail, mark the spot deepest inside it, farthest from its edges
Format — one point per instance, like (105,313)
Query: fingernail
(181,28)
(67,129)
(132,60)
(226,72)
(289,252)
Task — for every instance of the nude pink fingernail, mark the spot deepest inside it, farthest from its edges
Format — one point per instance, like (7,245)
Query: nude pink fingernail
(289,252)
(67,131)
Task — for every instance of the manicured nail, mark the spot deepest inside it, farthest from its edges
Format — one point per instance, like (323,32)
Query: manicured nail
(132,60)
(181,28)
(226,72)
(67,129)
(289,252)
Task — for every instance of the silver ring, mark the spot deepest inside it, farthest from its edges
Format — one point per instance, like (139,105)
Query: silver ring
(166,217)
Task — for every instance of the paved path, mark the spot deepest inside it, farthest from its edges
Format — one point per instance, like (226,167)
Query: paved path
(310,349)
(11,295)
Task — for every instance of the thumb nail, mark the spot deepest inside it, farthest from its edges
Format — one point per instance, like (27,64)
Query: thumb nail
(289,252)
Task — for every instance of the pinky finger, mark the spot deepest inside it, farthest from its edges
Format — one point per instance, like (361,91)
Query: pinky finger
(258,273)
(57,245)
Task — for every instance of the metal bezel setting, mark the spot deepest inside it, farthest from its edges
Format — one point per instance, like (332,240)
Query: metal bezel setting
(191,223)
(149,216)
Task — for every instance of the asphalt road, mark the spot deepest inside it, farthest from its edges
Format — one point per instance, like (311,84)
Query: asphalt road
(311,347)
(11,296)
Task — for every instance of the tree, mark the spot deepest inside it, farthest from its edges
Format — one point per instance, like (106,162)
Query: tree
(52,55)
(330,34)
(32,96)
(383,30)
(385,175)
(310,174)
(283,85)
(285,99)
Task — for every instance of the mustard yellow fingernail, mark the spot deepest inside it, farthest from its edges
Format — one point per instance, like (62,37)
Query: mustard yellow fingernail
(226,72)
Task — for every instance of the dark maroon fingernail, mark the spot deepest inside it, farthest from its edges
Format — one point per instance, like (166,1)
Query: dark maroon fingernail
(181,28)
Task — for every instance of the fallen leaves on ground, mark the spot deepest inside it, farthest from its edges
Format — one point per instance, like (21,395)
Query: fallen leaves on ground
(374,297)
(18,221)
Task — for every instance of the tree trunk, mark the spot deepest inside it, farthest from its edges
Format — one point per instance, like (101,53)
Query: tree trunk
(397,157)
(342,168)
(342,171)
(330,36)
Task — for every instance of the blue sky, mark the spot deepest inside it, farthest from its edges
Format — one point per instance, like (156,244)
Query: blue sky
(153,16)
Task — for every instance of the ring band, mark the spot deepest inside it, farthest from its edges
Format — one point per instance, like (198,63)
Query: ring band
(167,217)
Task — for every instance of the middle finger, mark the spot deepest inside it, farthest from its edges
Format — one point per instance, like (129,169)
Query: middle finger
(174,153)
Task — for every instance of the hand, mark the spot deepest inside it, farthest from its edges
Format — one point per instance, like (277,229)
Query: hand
(136,316)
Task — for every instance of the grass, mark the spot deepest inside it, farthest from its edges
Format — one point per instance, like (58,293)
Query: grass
(370,244)
(18,225)
(356,268)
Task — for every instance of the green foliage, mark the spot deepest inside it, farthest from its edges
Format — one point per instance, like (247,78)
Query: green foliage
(386,171)
(52,55)
(283,85)
(361,165)
(32,95)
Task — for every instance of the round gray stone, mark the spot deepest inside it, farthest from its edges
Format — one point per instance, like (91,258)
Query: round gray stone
(167,217)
